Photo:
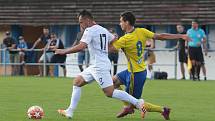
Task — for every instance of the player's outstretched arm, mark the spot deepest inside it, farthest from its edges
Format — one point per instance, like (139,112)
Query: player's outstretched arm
(81,46)
(166,36)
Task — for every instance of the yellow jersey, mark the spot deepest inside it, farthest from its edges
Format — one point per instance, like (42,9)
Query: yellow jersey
(133,44)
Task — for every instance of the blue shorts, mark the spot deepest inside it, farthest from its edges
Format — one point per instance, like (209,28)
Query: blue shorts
(139,80)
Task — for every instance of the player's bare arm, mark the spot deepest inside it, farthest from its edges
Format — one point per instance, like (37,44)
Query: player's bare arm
(81,46)
(36,43)
(166,36)
(12,47)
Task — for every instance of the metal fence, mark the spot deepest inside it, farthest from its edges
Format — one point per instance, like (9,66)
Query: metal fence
(4,63)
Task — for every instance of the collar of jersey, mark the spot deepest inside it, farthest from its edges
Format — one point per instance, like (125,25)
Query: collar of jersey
(130,31)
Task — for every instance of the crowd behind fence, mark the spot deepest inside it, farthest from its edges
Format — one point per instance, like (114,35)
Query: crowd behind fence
(167,54)
(5,63)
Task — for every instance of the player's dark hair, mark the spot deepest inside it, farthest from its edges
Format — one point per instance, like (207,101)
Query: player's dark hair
(180,24)
(128,16)
(85,13)
(195,21)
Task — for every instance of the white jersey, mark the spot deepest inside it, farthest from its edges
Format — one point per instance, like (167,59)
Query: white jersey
(97,39)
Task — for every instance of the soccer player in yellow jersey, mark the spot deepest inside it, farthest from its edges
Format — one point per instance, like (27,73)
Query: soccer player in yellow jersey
(133,44)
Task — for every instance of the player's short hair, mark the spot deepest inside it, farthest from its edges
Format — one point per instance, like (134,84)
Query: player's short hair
(128,16)
(85,13)
(195,21)
(180,24)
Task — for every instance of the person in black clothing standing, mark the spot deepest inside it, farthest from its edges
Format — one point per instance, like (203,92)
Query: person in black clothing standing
(54,44)
(44,38)
(181,45)
(10,43)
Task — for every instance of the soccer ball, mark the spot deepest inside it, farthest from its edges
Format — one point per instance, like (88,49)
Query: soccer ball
(35,112)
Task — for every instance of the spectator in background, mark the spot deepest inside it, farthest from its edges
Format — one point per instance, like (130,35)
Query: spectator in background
(11,44)
(149,55)
(113,56)
(83,56)
(44,40)
(181,46)
(22,46)
(198,37)
(54,44)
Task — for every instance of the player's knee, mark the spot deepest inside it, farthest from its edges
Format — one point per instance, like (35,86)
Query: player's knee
(108,91)
(116,82)
(79,81)
(109,94)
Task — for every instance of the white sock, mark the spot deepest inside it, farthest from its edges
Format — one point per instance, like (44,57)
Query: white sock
(76,94)
(124,96)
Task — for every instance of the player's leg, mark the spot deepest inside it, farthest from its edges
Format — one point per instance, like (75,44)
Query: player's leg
(117,85)
(140,78)
(120,79)
(105,81)
(139,82)
(82,79)
(124,78)
(124,96)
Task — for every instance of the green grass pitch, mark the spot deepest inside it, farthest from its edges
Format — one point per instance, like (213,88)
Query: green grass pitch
(190,101)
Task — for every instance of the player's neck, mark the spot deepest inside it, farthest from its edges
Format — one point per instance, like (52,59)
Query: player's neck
(195,28)
(92,23)
(130,29)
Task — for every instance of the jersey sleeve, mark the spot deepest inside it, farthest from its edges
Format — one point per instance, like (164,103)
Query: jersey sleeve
(203,33)
(110,36)
(188,32)
(87,37)
(147,33)
(120,43)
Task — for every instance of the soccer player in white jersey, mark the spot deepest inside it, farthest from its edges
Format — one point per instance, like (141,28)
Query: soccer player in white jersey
(96,38)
